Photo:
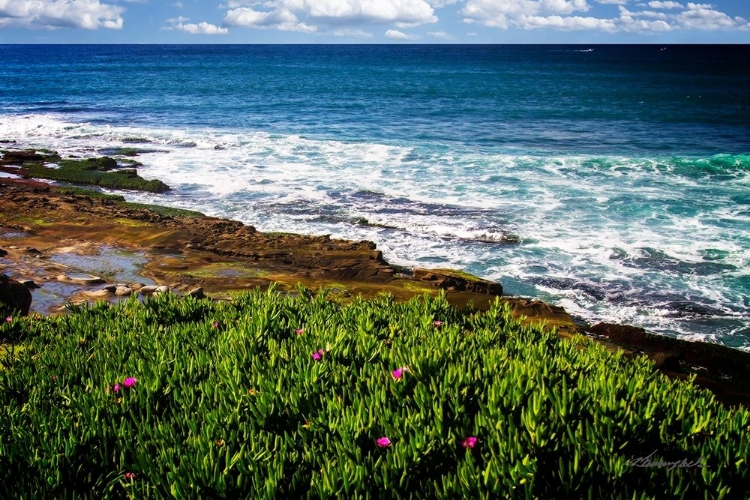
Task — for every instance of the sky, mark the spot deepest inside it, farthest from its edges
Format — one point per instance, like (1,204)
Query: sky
(374,21)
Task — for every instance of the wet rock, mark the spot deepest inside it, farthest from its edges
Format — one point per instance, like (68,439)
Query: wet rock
(147,290)
(197,293)
(123,291)
(18,157)
(161,289)
(456,281)
(29,284)
(667,360)
(110,288)
(80,279)
(98,294)
(14,296)
(3,253)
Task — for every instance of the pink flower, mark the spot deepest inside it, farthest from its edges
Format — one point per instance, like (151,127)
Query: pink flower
(8,319)
(399,372)
(216,324)
(129,382)
(469,442)
(384,442)
(116,388)
(317,356)
(438,323)
(130,475)
(299,331)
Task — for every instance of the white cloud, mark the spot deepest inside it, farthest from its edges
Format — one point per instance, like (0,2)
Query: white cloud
(440,34)
(353,33)
(505,13)
(308,15)
(202,28)
(704,17)
(665,5)
(441,3)
(471,33)
(399,35)
(84,14)
(280,19)
(559,15)
(566,23)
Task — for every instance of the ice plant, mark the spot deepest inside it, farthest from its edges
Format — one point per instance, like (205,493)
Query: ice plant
(438,323)
(299,331)
(116,388)
(216,324)
(399,372)
(130,475)
(8,319)
(384,442)
(317,356)
(469,442)
(129,382)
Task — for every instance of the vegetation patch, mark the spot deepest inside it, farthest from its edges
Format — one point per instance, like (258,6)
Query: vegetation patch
(75,191)
(227,270)
(102,172)
(297,396)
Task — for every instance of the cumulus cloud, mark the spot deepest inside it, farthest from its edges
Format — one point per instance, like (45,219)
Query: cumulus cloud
(563,15)
(280,19)
(399,35)
(180,24)
(566,23)
(352,33)
(665,5)
(309,15)
(83,14)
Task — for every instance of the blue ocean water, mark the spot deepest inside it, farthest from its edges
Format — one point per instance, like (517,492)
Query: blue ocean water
(612,180)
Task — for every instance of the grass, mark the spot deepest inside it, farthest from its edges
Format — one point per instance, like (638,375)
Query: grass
(229,402)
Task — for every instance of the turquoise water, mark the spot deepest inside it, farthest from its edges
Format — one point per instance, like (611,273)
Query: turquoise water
(612,180)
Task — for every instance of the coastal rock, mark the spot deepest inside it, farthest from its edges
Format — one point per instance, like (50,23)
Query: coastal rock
(30,284)
(197,293)
(98,294)
(147,290)
(161,289)
(123,291)
(14,296)
(456,281)
(80,279)
(18,157)
(3,253)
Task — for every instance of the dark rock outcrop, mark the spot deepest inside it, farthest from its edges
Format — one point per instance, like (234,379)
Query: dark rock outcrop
(456,281)
(14,296)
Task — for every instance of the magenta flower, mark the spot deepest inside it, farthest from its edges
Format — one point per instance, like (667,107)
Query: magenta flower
(399,372)
(116,388)
(299,331)
(438,323)
(130,475)
(216,324)
(317,356)
(8,319)
(384,442)
(469,442)
(129,382)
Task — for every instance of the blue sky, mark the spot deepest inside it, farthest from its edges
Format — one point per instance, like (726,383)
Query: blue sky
(374,21)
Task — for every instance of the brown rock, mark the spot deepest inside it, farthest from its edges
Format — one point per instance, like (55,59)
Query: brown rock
(14,296)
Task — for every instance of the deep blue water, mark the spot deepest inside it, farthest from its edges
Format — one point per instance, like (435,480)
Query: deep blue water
(622,170)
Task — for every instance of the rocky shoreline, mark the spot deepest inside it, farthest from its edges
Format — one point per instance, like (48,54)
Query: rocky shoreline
(71,245)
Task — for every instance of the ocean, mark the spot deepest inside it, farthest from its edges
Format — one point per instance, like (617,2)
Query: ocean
(613,180)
